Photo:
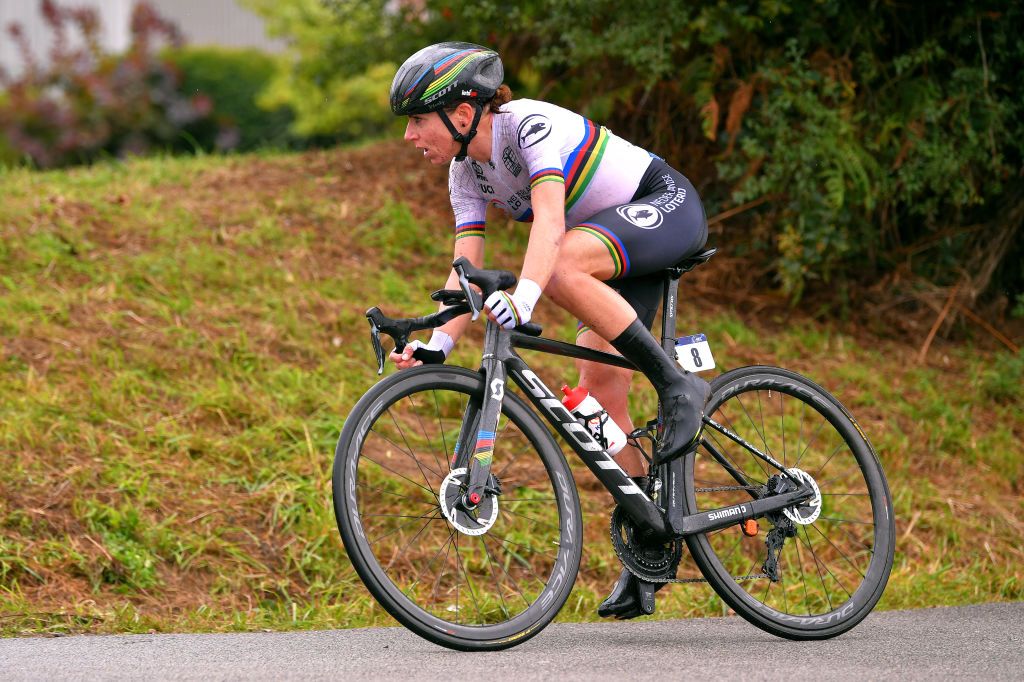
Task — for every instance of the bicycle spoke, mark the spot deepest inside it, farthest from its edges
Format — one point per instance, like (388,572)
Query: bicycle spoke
(415,459)
(760,435)
(530,519)
(426,438)
(415,581)
(469,584)
(494,577)
(407,453)
(822,467)
(821,425)
(409,544)
(515,584)
(817,566)
(390,470)
(407,523)
(841,553)
(440,427)
(432,503)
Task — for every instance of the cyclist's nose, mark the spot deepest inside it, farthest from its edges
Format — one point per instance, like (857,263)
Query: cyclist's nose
(409,134)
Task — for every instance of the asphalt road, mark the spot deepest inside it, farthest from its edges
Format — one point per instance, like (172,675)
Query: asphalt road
(978,642)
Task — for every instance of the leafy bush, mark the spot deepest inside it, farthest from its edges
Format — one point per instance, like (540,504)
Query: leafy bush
(87,104)
(860,137)
(233,78)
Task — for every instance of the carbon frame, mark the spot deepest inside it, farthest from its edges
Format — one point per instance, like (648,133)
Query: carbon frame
(475,445)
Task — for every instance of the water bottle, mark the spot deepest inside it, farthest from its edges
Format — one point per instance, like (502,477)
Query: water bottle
(590,413)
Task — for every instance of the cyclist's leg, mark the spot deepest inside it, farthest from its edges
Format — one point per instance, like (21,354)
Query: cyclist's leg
(665,224)
(610,385)
(615,244)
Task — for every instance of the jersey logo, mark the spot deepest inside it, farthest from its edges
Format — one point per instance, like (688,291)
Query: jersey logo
(533,129)
(477,169)
(642,215)
(511,164)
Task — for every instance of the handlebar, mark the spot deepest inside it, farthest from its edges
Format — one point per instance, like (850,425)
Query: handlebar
(460,302)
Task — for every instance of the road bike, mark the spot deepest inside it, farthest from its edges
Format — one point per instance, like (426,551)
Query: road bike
(460,514)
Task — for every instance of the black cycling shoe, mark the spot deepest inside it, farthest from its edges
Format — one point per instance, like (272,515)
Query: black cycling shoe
(682,418)
(683,395)
(631,597)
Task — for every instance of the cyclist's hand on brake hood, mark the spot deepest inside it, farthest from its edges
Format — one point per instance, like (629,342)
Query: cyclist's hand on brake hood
(417,353)
(510,311)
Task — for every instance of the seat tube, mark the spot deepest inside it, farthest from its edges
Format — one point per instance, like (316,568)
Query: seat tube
(490,412)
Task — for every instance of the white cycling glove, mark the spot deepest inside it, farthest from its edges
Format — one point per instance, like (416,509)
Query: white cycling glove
(512,311)
(433,352)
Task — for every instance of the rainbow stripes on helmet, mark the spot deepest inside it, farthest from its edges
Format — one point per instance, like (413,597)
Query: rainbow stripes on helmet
(449,68)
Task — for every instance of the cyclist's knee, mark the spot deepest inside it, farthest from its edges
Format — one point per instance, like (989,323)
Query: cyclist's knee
(610,385)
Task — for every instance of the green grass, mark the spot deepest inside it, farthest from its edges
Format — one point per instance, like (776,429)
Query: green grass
(182,339)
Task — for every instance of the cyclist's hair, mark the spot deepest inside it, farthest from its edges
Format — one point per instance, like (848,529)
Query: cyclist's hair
(502,96)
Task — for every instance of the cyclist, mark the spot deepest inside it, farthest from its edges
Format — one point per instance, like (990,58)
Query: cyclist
(607,218)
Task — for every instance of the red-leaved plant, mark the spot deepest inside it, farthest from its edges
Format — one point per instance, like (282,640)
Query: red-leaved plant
(86,103)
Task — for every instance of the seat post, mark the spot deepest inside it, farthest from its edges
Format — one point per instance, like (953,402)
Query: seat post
(668,314)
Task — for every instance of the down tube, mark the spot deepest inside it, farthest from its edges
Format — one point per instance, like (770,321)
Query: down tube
(635,502)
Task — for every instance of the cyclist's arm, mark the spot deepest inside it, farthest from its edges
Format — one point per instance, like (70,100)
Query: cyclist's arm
(472,248)
(546,235)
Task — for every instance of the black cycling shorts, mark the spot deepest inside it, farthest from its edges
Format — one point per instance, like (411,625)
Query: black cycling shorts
(663,224)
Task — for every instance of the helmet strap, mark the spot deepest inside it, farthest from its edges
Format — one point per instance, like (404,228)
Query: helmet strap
(463,138)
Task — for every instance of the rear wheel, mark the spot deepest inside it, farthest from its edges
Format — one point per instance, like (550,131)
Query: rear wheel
(471,585)
(808,572)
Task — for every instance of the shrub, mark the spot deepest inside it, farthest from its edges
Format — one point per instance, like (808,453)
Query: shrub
(233,78)
(86,103)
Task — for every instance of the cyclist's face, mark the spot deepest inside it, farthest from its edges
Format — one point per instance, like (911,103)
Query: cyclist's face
(429,133)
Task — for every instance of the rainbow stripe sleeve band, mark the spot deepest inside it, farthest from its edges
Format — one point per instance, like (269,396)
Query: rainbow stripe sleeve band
(546,175)
(473,229)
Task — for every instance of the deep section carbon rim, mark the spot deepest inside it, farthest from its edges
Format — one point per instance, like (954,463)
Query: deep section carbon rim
(826,561)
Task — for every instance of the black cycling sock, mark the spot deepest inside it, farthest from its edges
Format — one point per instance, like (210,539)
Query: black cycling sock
(683,395)
(639,346)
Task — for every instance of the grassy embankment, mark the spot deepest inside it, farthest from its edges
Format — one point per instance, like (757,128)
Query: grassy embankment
(181,339)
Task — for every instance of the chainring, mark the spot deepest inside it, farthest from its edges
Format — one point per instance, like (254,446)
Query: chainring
(655,563)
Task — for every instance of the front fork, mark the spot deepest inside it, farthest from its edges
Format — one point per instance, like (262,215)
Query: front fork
(475,447)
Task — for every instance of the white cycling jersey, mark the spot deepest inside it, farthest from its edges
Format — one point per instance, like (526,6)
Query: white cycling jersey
(535,142)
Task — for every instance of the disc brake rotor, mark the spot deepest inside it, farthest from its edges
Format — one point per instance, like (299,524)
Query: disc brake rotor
(806,512)
(475,522)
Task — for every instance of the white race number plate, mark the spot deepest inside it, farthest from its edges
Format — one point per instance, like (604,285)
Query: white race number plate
(694,353)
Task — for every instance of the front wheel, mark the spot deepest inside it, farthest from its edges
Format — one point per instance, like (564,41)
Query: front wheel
(811,571)
(470,586)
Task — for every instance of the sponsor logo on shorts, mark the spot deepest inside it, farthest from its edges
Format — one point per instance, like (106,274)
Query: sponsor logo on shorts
(532,130)
(642,215)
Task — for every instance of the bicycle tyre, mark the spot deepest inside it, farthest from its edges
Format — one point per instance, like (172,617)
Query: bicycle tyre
(513,552)
(849,540)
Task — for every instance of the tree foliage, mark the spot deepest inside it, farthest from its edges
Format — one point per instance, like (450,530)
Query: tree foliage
(865,136)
